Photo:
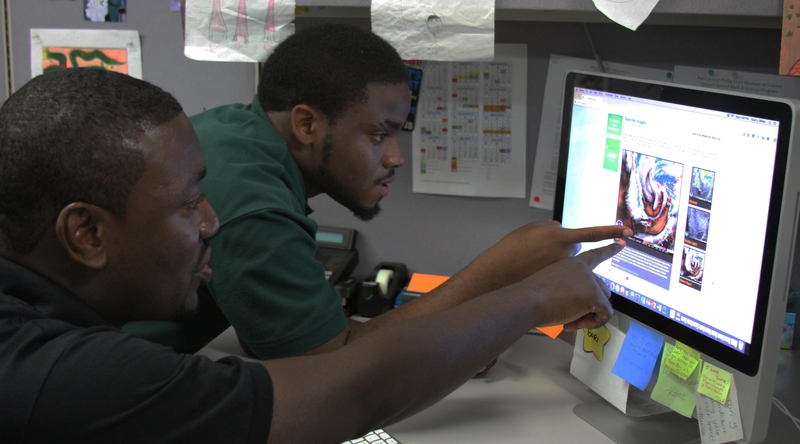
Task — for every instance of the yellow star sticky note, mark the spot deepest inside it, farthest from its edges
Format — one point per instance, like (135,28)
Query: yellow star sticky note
(714,383)
(594,339)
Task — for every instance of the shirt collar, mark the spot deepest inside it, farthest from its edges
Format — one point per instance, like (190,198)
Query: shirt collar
(45,296)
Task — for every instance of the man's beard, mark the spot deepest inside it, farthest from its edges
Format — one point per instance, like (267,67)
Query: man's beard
(334,188)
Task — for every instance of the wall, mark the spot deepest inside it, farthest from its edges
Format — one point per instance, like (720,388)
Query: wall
(431,233)
(441,234)
(197,85)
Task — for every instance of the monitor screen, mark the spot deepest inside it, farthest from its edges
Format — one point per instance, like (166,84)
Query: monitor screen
(702,178)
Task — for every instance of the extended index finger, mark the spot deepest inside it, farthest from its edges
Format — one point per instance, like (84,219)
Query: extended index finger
(598,233)
(596,256)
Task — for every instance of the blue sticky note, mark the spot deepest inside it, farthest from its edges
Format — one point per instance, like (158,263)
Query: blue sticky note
(638,355)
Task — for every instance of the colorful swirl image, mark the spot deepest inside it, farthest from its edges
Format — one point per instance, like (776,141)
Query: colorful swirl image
(702,184)
(648,191)
(692,264)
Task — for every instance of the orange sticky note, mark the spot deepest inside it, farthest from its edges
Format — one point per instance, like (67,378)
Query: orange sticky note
(423,283)
(553,331)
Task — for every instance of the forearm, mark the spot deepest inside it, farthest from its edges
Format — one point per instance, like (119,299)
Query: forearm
(398,370)
(475,280)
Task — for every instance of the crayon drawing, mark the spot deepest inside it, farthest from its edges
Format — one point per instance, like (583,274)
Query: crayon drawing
(112,50)
(111,59)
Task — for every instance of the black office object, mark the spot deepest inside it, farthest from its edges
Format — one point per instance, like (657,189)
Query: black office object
(336,250)
(379,290)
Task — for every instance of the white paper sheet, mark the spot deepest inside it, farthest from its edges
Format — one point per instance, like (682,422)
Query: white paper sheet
(545,168)
(719,423)
(596,374)
(469,138)
(737,81)
(114,50)
(444,30)
(236,30)
(628,13)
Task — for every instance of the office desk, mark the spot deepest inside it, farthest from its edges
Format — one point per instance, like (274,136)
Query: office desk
(528,396)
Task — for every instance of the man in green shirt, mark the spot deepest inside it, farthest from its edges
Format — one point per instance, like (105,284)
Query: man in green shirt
(331,102)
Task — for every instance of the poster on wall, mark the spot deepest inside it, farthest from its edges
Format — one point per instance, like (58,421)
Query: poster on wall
(104,10)
(112,50)
(236,30)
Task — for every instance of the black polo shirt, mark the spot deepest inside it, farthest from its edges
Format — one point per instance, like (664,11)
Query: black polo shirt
(68,376)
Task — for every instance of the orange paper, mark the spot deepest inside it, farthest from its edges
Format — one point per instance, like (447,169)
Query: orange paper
(553,331)
(423,283)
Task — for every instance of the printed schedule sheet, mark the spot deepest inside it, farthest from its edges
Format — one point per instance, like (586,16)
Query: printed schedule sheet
(469,139)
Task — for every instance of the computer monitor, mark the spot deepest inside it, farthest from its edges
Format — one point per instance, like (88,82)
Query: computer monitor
(702,178)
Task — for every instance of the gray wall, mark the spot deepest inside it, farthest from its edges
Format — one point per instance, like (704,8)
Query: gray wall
(3,77)
(197,85)
(441,234)
(430,233)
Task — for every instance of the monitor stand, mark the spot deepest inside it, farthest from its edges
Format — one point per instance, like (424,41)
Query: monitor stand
(664,428)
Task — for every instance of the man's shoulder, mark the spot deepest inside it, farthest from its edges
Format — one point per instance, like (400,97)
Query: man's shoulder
(47,363)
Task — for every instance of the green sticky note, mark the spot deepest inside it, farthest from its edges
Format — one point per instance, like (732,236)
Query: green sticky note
(714,383)
(683,360)
(672,391)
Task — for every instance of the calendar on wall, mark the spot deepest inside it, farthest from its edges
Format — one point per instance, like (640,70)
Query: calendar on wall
(470,136)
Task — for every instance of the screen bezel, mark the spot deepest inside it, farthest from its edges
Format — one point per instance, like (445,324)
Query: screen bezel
(718,100)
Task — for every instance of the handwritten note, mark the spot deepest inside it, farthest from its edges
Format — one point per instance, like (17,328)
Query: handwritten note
(638,355)
(714,383)
(671,390)
(719,423)
(594,341)
(683,360)
(597,374)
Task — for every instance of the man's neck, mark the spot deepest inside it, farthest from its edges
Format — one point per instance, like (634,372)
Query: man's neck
(282,121)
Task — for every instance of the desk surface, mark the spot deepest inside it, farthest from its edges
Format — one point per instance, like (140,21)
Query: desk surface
(528,396)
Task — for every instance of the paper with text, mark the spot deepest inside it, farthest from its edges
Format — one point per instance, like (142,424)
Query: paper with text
(638,356)
(715,383)
(719,423)
(469,138)
(597,374)
(738,81)
(595,340)
(672,391)
(683,360)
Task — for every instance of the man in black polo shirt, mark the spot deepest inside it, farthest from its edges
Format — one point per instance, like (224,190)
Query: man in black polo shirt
(102,222)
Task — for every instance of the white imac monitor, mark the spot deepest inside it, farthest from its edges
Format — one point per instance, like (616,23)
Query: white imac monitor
(703,177)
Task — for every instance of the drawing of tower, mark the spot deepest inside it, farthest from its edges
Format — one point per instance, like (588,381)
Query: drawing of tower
(241,26)
(269,27)
(217,24)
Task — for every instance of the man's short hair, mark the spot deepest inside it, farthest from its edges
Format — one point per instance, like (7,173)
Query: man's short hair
(72,136)
(327,67)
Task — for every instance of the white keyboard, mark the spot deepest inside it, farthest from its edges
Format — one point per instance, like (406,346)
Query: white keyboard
(374,437)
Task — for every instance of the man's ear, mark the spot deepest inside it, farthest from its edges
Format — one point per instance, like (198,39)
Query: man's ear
(307,124)
(83,230)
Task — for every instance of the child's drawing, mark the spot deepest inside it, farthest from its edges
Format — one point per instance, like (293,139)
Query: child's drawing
(219,40)
(217,25)
(269,28)
(434,25)
(111,59)
(241,36)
